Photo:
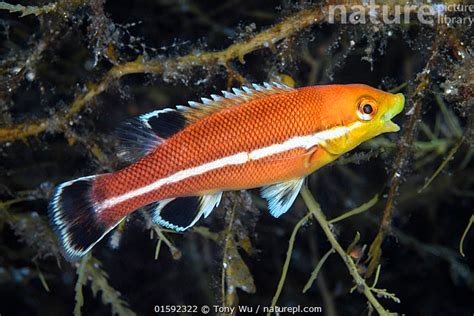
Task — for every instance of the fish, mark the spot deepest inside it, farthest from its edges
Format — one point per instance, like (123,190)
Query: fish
(182,159)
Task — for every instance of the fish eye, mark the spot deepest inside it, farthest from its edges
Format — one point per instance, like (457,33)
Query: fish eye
(366,108)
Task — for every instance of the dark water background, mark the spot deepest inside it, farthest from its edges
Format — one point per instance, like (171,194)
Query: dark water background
(49,61)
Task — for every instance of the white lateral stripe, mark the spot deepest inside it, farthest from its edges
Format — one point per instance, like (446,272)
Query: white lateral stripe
(236,159)
(305,142)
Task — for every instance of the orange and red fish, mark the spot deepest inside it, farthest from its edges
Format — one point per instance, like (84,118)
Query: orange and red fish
(269,136)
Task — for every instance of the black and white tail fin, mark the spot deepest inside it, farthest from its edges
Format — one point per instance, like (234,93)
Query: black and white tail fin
(73,216)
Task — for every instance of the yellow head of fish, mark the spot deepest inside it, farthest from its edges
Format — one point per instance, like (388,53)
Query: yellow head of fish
(363,111)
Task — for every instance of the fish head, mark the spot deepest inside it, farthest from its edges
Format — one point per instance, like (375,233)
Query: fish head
(361,113)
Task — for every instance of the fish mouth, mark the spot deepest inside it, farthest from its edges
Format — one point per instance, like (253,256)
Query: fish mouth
(394,110)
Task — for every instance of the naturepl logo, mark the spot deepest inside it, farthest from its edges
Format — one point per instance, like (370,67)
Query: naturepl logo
(374,13)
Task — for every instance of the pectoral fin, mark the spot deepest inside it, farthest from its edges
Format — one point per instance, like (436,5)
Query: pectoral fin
(281,196)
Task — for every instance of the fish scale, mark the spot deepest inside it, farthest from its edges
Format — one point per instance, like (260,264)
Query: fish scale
(215,137)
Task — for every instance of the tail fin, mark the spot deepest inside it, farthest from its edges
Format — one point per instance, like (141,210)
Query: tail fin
(73,216)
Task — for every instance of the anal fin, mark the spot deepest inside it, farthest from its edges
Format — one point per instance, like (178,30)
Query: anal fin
(280,196)
(182,213)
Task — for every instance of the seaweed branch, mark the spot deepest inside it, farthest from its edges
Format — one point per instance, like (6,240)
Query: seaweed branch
(90,269)
(360,283)
(410,129)
(382,292)
(360,209)
(445,161)
(461,242)
(175,252)
(31,229)
(458,267)
(42,278)
(53,7)
(284,29)
(81,281)
(235,273)
(228,243)
(314,274)
(286,265)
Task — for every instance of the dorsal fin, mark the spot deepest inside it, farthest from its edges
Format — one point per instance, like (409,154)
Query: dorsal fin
(141,135)
(199,110)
